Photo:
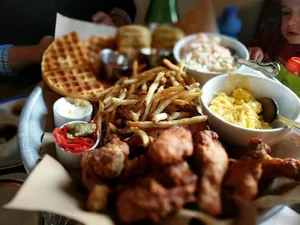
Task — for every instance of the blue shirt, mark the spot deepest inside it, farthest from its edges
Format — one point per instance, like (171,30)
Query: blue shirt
(5,68)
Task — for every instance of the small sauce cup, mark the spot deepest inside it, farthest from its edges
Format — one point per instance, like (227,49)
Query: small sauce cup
(154,57)
(114,65)
(65,110)
(70,159)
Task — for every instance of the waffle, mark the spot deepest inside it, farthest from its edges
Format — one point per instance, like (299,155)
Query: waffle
(66,70)
(92,47)
(165,37)
(64,52)
(131,38)
(77,82)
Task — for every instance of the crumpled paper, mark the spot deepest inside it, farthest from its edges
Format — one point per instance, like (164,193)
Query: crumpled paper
(49,188)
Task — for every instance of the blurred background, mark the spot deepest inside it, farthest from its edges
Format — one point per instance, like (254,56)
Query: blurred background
(254,14)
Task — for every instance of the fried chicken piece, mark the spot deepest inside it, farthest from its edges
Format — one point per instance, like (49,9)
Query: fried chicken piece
(273,167)
(114,143)
(150,200)
(85,158)
(175,175)
(108,161)
(135,167)
(242,178)
(197,127)
(171,146)
(211,165)
(98,198)
(89,178)
(257,149)
(276,167)
(244,174)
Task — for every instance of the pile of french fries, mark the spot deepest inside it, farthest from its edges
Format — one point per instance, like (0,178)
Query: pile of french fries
(158,98)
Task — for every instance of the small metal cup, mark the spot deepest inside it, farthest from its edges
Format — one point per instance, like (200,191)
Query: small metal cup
(114,65)
(154,57)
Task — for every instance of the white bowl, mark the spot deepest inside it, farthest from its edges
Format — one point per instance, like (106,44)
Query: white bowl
(203,76)
(60,119)
(288,104)
(69,159)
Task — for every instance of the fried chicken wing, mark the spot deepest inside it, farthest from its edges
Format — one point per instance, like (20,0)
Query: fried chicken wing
(244,174)
(242,178)
(257,149)
(211,164)
(275,167)
(98,198)
(150,200)
(171,146)
(108,161)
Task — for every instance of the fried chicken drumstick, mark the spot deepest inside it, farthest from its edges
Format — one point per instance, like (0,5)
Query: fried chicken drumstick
(211,164)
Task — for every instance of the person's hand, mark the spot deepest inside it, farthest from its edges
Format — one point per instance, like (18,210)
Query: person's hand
(45,42)
(102,18)
(256,53)
(24,56)
(43,45)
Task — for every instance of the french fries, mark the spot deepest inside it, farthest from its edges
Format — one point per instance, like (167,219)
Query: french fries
(158,98)
(143,135)
(167,124)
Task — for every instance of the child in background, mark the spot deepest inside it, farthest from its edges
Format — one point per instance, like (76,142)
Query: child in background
(282,41)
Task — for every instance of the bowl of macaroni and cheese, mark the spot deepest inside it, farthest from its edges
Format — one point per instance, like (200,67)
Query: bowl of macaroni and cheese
(229,100)
(206,55)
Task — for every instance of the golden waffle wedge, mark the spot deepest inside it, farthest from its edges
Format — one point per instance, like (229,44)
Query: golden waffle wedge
(131,38)
(64,52)
(77,82)
(165,37)
(92,47)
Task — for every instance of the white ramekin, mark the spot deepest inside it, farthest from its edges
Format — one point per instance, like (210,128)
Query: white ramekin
(69,159)
(59,119)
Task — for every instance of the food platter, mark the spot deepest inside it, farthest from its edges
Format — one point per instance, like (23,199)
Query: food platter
(154,140)
(34,116)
